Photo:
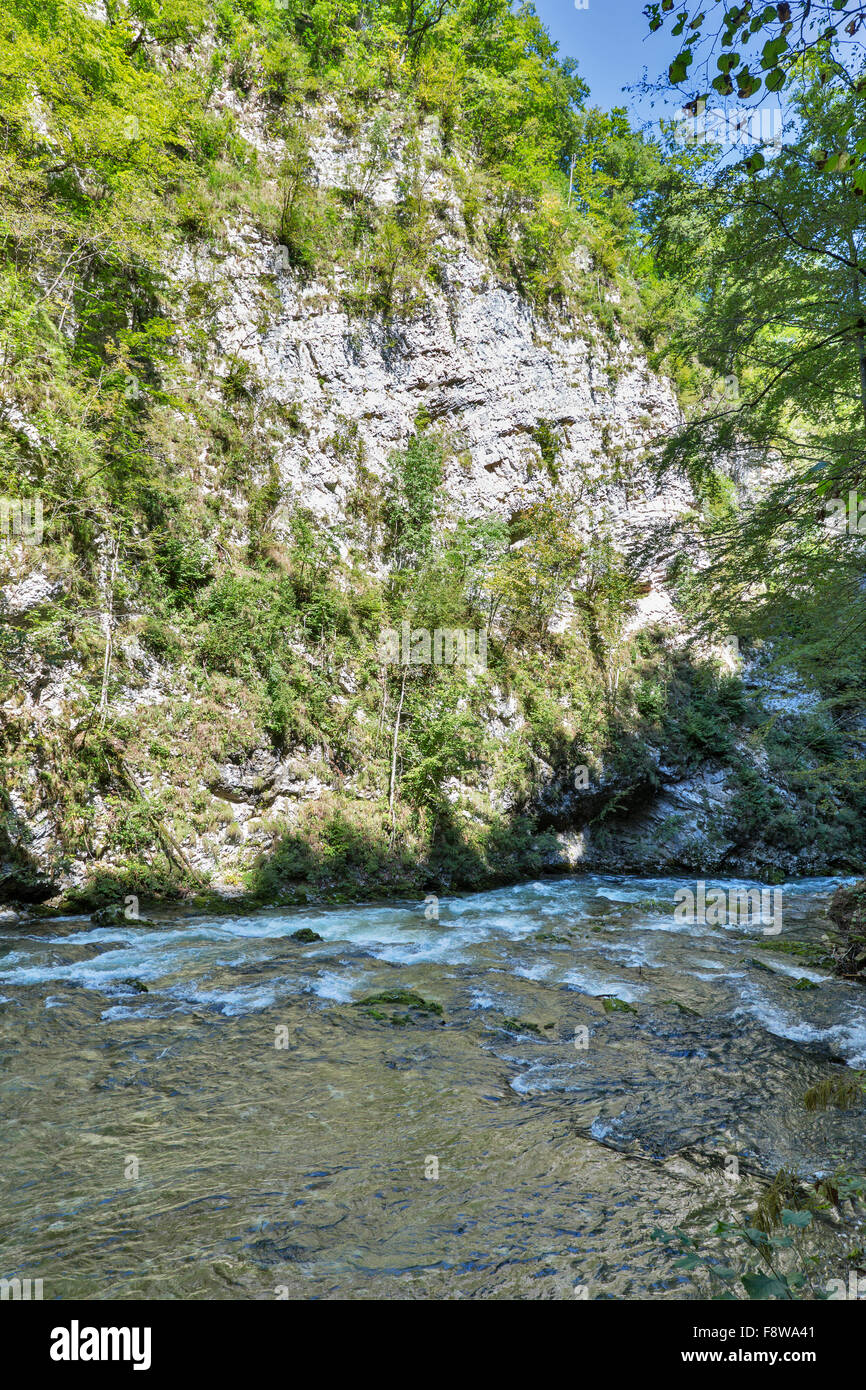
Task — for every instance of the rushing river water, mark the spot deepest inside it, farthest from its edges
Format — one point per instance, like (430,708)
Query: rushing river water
(247,1125)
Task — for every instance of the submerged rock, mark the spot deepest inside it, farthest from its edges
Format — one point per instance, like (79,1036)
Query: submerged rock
(381,1006)
(306,934)
(113,917)
(613,1005)
(521,1025)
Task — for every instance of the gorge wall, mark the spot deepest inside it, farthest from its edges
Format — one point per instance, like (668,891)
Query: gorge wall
(199,706)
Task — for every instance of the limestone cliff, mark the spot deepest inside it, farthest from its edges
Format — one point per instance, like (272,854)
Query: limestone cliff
(148,755)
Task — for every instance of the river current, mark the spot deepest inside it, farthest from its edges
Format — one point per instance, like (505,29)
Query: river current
(501,1095)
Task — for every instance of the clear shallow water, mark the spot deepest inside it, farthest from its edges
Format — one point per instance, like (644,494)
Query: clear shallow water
(160,1144)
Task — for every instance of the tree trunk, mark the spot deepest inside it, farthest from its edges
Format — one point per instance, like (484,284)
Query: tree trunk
(109,639)
(860,339)
(393,781)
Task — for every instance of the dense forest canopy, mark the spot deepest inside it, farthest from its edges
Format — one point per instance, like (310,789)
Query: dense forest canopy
(771,248)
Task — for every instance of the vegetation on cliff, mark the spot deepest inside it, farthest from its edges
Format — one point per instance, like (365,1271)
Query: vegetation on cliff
(116,159)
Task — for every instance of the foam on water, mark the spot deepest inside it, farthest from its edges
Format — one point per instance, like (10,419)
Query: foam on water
(798,972)
(591,982)
(187,960)
(341,988)
(847,1037)
(541,971)
(481,1000)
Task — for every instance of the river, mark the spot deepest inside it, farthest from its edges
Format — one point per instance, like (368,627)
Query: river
(206,1108)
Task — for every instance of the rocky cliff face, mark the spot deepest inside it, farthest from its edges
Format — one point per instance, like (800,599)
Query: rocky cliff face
(477,360)
(527,403)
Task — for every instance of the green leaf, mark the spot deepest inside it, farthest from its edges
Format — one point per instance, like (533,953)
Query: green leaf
(775,80)
(679,67)
(688,1262)
(727,61)
(772,51)
(723,85)
(747,83)
(762,1286)
(800,1219)
(756,162)
(754,1236)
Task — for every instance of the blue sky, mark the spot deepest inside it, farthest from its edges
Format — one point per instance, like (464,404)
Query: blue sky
(612,44)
